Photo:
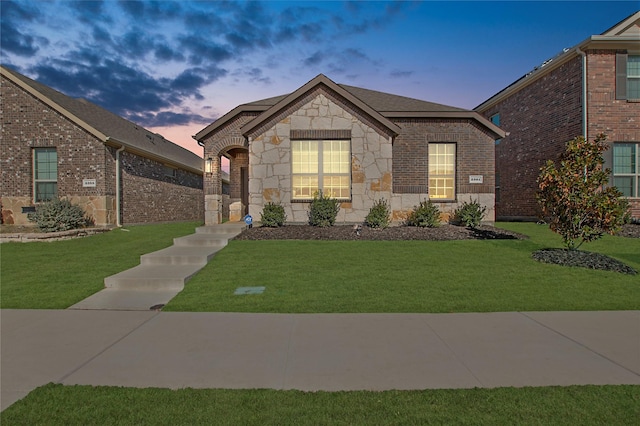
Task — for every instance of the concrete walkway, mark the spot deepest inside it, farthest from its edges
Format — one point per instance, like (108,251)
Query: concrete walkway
(315,351)
(162,274)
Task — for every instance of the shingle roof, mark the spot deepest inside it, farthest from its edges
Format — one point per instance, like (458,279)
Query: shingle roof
(384,105)
(109,127)
(380,101)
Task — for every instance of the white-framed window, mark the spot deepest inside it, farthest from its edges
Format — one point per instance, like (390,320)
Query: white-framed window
(628,76)
(626,168)
(442,171)
(321,165)
(45,174)
(633,77)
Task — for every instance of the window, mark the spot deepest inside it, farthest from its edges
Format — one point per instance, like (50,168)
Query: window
(442,165)
(626,168)
(627,76)
(320,165)
(45,174)
(495,119)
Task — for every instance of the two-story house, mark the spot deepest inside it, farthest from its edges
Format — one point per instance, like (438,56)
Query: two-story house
(591,88)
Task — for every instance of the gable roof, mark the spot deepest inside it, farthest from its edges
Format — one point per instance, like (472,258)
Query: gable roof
(623,35)
(379,106)
(320,80)
(109,128)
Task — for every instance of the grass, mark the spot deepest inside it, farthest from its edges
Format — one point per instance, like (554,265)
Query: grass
(56,275)
(410,276)
(584,405)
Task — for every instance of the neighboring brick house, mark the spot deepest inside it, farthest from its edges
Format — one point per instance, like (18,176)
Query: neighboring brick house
(54,146)
(588,89)
(354,144)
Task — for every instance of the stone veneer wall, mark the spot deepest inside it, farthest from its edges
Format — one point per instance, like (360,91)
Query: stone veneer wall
(270,159)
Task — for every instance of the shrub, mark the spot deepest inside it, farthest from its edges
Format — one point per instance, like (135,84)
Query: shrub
(58,215)
(425,215)
(469,214)
(379,215)
(575,195)
(273,215)
(323,210)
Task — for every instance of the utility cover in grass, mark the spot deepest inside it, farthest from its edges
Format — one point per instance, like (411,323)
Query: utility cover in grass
(249,290)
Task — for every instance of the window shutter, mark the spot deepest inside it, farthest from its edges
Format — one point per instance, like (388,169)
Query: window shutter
(621,76)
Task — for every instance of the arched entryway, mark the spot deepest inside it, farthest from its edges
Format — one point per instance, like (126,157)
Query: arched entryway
(226,180)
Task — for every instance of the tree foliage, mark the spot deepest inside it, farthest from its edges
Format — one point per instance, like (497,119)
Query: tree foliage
(574,196)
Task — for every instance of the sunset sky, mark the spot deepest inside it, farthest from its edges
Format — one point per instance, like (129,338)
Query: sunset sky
(175,66)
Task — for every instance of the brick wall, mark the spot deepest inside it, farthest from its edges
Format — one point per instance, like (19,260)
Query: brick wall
(148,195)
(26,123)
(540,119)
(617,118)
(474,154)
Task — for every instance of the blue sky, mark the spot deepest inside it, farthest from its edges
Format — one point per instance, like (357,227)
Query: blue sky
(175,66)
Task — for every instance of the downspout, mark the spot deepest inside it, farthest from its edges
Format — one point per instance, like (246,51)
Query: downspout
(118,188)
(584,92)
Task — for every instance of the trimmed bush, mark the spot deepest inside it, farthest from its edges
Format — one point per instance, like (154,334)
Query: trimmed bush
(425,215)
(379,215)
(59,215)
(323,210)
(273,215)
(469,214)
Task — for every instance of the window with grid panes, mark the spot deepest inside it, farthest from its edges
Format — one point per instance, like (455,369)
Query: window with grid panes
(442,173)
(626,168)
(321,165)
(45,174)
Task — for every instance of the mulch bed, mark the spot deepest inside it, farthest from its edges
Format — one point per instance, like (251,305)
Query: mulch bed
(582,259)
(394,233)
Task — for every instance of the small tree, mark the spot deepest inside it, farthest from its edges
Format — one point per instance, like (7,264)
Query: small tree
(574,196)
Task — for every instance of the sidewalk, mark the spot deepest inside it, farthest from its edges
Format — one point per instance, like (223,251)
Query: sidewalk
(315,351)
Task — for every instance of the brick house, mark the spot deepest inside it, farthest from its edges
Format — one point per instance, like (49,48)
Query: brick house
(356,145)
(591,88)
(54,146)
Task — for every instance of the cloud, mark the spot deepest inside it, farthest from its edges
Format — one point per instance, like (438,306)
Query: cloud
(146,60)
(14,18)
(400,74)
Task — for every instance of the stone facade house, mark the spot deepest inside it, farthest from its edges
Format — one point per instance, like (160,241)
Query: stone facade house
(591,88)
(52,145)
(354,144)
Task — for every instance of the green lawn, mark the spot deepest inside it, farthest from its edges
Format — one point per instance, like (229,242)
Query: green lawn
(410,276)
(56,275)
(84,405)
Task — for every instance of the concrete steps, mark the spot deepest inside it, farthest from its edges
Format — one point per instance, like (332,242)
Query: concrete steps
(163,272)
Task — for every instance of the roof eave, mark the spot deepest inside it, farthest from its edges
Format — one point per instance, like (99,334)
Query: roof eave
(226,118)
(593,42)
(317,81)
(472,115)
(115,143)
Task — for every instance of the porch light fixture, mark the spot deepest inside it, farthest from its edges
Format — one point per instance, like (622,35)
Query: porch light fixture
(208,165)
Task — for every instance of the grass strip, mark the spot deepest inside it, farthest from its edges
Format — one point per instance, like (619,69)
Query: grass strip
(410,276)
(55,275)
(55,404)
